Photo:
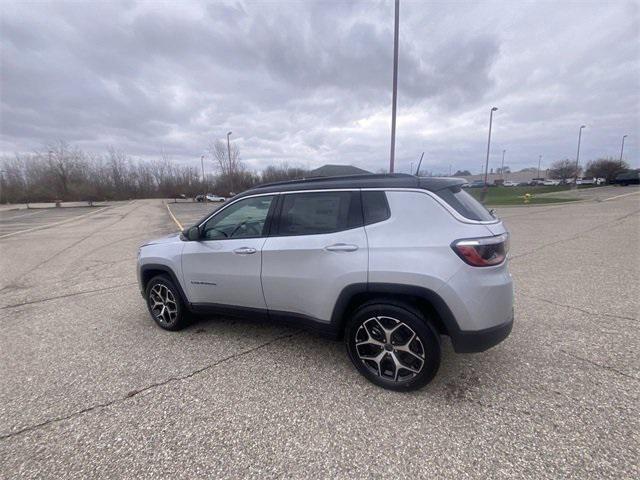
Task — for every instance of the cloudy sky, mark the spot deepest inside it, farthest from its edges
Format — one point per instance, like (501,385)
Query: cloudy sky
(309,83)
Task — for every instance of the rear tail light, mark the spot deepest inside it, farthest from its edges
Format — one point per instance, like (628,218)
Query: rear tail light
(483,252)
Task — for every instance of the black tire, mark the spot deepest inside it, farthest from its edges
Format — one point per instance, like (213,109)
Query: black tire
(165,303)
(424,358)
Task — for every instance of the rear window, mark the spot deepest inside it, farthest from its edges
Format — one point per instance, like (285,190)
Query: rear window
(319,212)
(464,204)
(375,207)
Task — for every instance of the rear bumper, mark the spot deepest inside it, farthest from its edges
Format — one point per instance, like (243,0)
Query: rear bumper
(481,340)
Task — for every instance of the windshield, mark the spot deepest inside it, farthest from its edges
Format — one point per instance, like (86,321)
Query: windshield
(464,204)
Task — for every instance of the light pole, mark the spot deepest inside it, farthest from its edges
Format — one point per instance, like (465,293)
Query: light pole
(204,187)
(230,169)
(575,180)
(1,180)
(622,148)
(394,100)
(539,161)
(502,165)
(486,165)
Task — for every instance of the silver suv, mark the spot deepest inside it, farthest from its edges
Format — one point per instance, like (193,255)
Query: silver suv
(389,262)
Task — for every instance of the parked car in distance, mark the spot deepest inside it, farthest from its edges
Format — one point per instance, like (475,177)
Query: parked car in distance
(477,184)
(199,198)
(586,181)
(631,177)
(509,183)
(551,182)
(214,198)
(388,262)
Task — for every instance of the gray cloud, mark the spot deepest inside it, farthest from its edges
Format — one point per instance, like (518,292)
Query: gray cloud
(309,82)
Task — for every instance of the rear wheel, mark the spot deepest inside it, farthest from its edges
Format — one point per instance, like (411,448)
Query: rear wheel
(393,347)
(165,304)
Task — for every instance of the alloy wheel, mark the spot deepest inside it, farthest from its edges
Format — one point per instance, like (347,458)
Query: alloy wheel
(163,304)
(390,348)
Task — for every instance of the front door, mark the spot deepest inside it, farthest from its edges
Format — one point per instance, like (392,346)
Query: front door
(224,266)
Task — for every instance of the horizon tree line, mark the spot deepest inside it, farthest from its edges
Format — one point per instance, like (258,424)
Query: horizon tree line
(66,173)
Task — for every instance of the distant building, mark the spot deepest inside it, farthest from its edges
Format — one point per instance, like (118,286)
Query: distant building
(336,170)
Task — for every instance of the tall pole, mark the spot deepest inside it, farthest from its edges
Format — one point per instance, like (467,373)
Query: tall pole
(1,180)
(539,161)
(622,149)
(394,100)
(419,165)
(502,165)
(486,165)
(203,184)
(230,169)
(575,180)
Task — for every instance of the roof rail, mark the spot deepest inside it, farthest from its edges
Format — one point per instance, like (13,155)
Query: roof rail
(357,176)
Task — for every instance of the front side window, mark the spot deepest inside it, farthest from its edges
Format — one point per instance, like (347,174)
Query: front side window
(319,212)
(243,219)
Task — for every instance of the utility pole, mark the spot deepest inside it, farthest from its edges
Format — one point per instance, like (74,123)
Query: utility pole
(204,187)
(486,166)
(1,180)
(622,149)
(539,161)
(394,100)
(575,180)
(230,169)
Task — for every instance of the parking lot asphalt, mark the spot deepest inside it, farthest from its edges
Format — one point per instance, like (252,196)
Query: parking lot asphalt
(91,388)
(16,221)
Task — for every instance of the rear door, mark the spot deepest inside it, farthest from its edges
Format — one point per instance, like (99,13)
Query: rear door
(317,247)
(223,267)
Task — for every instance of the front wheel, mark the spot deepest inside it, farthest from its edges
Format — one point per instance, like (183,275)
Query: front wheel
(165,304)
(393,347)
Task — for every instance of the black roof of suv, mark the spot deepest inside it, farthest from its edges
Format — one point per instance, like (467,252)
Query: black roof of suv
(388,180)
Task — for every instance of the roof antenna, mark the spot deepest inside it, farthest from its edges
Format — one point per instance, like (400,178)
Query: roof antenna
(419,163)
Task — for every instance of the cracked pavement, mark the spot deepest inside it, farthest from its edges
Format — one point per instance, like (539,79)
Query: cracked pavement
(91,388)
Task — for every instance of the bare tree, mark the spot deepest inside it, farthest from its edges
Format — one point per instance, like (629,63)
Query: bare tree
(227,161)
(606,168)
(231,170)
(563,169)
(283,172)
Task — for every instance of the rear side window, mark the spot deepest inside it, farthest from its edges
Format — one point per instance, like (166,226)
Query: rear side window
(319,212)
(375,207)
(464,204)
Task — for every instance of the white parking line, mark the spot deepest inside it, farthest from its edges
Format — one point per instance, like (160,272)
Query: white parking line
(620,196)
(40,227)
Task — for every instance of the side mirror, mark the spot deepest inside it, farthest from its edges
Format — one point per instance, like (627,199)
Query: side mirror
(191,233)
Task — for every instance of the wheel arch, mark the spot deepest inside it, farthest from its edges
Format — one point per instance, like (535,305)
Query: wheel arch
(150,270)
(426,301)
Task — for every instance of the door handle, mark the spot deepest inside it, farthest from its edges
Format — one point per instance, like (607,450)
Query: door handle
(341,247)
(244,250)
